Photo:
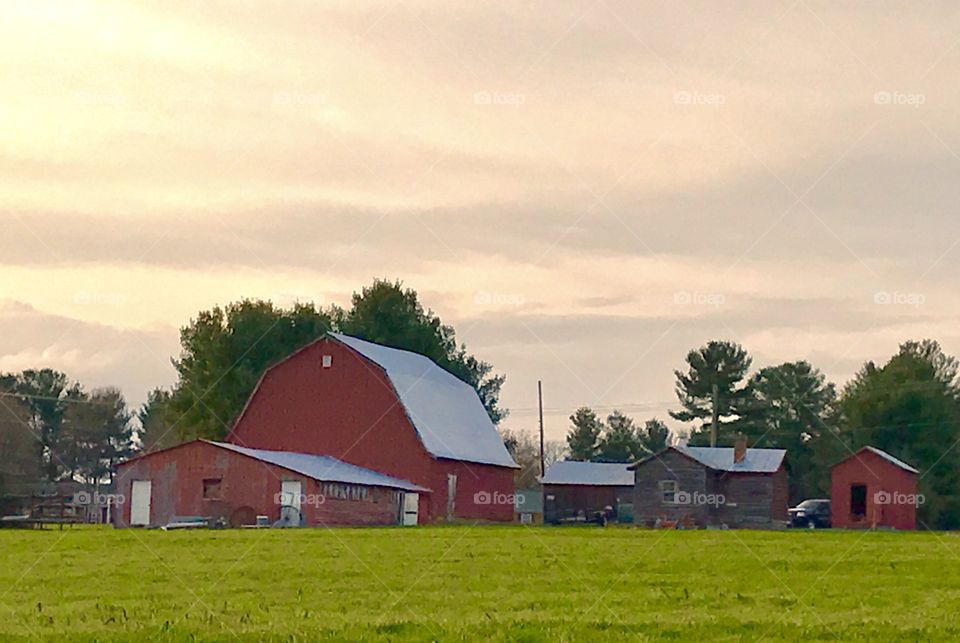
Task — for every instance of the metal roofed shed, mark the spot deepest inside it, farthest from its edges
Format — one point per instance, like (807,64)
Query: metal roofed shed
(712,486)
(576,492)
(228,484)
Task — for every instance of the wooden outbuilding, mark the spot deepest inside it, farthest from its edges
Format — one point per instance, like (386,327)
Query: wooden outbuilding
(582,491)
(871,489)
(711,486)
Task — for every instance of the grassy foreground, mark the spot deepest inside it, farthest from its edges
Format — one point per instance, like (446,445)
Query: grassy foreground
(478,583)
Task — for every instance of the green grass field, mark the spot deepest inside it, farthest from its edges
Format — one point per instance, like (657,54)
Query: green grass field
(478,583)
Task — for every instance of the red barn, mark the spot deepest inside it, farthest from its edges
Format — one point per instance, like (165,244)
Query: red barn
(234,484)
(392,411)
(871,488)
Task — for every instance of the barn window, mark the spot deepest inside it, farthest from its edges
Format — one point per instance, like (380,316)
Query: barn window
(668,491)
(211,488)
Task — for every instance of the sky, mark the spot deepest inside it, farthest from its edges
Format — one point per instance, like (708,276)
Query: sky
(585,190)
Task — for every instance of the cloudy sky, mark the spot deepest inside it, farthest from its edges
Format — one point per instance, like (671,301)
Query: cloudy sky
(585,190)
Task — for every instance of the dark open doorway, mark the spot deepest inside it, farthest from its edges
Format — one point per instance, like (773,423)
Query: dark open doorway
(858,500)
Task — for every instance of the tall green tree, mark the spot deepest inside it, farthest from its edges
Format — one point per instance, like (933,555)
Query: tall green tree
(97,434)
(791,407)
(654,437)
(711,388)
(910,407)
(19,445)
(47,393)
(584,435)
(158,421)
(620,441)
(387,313)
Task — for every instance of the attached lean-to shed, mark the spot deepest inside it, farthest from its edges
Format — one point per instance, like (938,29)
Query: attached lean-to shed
(872,488)
(578,491)
(234,485)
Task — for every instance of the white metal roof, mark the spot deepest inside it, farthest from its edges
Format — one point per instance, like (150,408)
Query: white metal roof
(446,412)
(322,467)
(589,473)
(721,459)
(889,458)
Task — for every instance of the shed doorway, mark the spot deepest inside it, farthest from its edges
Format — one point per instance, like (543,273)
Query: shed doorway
(410,509)
(140,502)
(858,501)
(291,492)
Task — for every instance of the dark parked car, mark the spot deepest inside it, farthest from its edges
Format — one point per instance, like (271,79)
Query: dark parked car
(813,514)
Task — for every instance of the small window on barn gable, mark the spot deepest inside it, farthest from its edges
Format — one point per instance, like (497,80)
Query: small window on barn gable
(211,488)
(668,491)
(327,361)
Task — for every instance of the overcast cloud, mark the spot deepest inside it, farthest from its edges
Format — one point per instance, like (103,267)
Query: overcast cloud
(585,190)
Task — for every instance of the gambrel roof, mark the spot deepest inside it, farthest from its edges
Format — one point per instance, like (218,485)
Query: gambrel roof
(447,413)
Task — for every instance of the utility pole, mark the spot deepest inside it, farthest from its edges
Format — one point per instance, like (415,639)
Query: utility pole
(716,415)
(540,404)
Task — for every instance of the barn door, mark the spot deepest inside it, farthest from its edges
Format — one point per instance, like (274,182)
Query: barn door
(140,502)
(411,509)
(291,491)
(451,496)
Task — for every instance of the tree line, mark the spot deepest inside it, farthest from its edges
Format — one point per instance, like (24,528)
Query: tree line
(52,429)
(908,406)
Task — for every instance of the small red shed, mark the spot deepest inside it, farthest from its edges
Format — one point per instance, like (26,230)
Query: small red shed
(872,488)
(235,485)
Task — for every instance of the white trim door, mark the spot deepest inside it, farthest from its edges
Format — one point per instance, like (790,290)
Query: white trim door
(292,491)
(411,509)
(140,499)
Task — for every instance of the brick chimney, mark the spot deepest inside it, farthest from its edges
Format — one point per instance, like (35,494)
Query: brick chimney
(740,449)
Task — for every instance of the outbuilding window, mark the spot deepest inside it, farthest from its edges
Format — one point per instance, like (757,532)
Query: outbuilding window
(668,491)
(211,488)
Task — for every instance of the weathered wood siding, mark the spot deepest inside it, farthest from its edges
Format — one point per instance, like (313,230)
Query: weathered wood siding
(648,503)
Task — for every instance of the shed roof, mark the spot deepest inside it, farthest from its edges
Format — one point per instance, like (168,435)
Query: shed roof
(446,411)
(721,459)
(322,467)
(589,473)
(897,462)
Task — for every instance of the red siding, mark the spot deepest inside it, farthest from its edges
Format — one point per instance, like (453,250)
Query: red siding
(177,477)
(351,412)
(879,476)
